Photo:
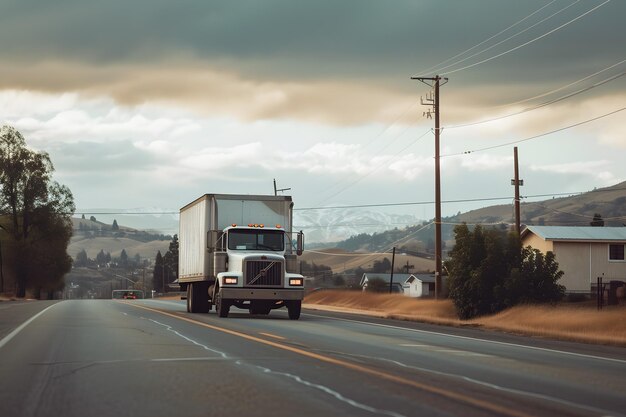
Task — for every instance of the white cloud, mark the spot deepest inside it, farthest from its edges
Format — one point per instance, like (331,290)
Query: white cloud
(595,169)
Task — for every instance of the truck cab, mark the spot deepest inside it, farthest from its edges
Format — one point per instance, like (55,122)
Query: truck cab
(258,273)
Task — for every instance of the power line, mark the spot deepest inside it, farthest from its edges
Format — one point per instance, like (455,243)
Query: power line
(413,203)
(509,38)
(528,42)
(538,106)
(536,136)
(383,164)
(562,87)
(436,67)
(381,133)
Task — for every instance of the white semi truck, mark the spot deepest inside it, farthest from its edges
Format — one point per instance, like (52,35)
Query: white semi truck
(238,250)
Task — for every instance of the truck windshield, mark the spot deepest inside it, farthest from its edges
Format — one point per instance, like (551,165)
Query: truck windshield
(256,239)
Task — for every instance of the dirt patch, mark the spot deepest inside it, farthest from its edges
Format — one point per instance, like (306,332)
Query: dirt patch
(581,323)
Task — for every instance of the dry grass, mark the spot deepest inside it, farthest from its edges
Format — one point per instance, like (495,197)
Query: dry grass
(567,322)
(579,322)
(387,305)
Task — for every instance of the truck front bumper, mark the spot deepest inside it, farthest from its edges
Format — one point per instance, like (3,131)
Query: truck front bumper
(262,293)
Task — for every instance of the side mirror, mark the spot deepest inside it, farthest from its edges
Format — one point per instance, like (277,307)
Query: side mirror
(300,243)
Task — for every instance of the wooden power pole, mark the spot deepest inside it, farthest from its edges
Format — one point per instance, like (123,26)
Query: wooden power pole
(435,82)
(517,183)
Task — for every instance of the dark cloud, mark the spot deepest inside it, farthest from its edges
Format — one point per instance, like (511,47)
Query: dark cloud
(295,40)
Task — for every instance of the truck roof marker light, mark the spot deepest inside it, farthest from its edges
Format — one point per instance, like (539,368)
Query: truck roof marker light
(278,226)
(234,225)
(261,226)
(250,225)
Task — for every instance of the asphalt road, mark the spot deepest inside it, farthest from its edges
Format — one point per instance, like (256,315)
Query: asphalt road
(152,358)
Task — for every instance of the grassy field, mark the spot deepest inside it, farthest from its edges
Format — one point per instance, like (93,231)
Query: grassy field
(575,322)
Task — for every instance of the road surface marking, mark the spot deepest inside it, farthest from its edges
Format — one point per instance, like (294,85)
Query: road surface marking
(14,333)
(582,355)
(273,335)
(457,352)
(502,410)
(492,386)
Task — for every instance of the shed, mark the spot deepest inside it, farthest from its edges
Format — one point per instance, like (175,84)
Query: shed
(411,285)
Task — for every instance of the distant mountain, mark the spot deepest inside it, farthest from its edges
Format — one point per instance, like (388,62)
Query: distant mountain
(150,219)
(574,210)
(325,226)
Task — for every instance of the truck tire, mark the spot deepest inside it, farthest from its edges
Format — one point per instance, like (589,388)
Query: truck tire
(222,306)
(199,296)
(294,308)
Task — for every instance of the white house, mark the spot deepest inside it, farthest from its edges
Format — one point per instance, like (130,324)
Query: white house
(411,285)
(583,253)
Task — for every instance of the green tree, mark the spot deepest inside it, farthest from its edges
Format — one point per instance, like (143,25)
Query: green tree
(170,261)
(382,266)
(81,258)
(124,259)
(377,285)
(101,258)
(39,212)
(489,271)
(597,220)
(158,273)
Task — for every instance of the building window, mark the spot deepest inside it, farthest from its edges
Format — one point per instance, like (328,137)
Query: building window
(616,252)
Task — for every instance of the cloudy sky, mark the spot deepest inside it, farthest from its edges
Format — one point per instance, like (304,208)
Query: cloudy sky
(151,103)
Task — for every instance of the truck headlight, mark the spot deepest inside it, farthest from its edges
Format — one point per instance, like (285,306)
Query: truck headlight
(295,281)
(230,280)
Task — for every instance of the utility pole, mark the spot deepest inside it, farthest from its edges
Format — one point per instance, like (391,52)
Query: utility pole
(517,183)
(276,190)
(435,82)
(393,261)
(407,266)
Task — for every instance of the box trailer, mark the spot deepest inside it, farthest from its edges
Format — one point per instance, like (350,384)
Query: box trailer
(240,250)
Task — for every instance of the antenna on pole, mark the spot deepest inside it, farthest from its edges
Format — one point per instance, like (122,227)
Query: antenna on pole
(276,190)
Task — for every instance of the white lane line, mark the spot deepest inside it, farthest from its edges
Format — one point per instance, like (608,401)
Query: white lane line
(531,394)
(14,333)
(338,396)
(414,345)
(562,352)
(457,352)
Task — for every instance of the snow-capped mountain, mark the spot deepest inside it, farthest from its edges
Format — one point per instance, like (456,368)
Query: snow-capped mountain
(319,226)
(326,225)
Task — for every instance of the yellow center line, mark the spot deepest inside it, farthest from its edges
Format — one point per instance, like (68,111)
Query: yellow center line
(272,335)
(355,367)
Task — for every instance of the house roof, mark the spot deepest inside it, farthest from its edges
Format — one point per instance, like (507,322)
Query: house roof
(574,233)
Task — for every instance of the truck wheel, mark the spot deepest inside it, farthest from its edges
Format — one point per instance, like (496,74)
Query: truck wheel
(199,297)
(221,306)
(294,308)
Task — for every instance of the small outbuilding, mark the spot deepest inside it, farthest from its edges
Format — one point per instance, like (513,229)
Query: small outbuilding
(411,285)
(583,253)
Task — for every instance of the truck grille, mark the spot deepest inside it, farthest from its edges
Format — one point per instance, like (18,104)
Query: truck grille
(264,273)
